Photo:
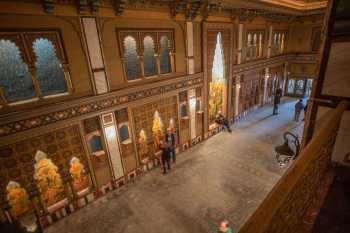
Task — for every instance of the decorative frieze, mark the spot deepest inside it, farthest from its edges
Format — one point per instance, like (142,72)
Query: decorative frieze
(274,61)
(93,104)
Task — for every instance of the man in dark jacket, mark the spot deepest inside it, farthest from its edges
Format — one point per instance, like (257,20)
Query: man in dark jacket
(165,155)
(221,120)
(299,106)
(171,141)
(276,101)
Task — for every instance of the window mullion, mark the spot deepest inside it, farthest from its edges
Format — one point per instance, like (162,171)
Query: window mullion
(3,101)
(67,78)
(31,67)
(157,54)
(34,76)
(140,56)
(172,60)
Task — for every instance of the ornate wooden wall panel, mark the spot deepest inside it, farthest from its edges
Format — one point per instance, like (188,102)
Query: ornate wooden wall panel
(284,208)
(17,159)
(210,31)
(98,156)
(250,94)
(69,110)
(126,140)
(143,115)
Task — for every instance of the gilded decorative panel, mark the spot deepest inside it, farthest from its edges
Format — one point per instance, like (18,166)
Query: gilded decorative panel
(17,160)
(93,105)
(143,115)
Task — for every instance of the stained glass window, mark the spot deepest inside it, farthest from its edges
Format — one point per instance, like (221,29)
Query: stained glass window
(15,80)
(148,56)
(164,55)
(131,60)
(49,69)
(124,133)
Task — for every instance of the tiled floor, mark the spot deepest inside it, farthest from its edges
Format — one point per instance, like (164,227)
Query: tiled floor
(226,176)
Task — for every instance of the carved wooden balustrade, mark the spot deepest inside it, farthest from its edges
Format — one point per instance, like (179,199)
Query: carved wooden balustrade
(284,209)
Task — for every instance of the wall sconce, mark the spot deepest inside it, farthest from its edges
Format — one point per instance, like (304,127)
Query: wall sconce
(238,85)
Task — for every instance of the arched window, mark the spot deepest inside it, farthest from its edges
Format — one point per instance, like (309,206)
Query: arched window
(131,60)
(164,55)
(249,45)
(275,39)
(183,110)
(260,50)
(15,80)
(291,84)
(217,84)
(50,74)
(148,56)
(95,143)
(124,133)
(255,42)
(282,42)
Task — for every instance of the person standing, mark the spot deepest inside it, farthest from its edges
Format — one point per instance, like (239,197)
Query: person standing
(276,101)
(221,120)
(299,106)
(224,227)
(165,155)
(171,141)
(305,110)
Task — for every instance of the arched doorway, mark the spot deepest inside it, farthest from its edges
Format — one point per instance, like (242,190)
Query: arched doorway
(217,82)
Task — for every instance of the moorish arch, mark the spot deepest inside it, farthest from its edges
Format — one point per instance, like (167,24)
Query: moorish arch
(217,82)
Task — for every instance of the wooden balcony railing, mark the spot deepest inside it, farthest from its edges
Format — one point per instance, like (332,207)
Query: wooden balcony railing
(284,209)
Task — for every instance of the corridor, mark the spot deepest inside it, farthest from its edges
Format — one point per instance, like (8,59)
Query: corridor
(226,176)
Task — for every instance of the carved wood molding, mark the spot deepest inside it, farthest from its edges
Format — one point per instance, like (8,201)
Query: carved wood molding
(274,61)
(284,207)
(70,110)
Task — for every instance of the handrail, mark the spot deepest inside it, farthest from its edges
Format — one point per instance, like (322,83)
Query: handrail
(285,205)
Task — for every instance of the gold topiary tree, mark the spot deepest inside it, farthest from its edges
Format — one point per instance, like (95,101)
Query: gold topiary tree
(157,129)
(143,147)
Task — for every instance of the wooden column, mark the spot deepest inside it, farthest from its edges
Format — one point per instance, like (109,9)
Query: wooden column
(237,90)
(285,77)
(191,94)
(267,75)
(269,42)
(111,140)
(189,40)
(94,49)
(239,61)
(266,80)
